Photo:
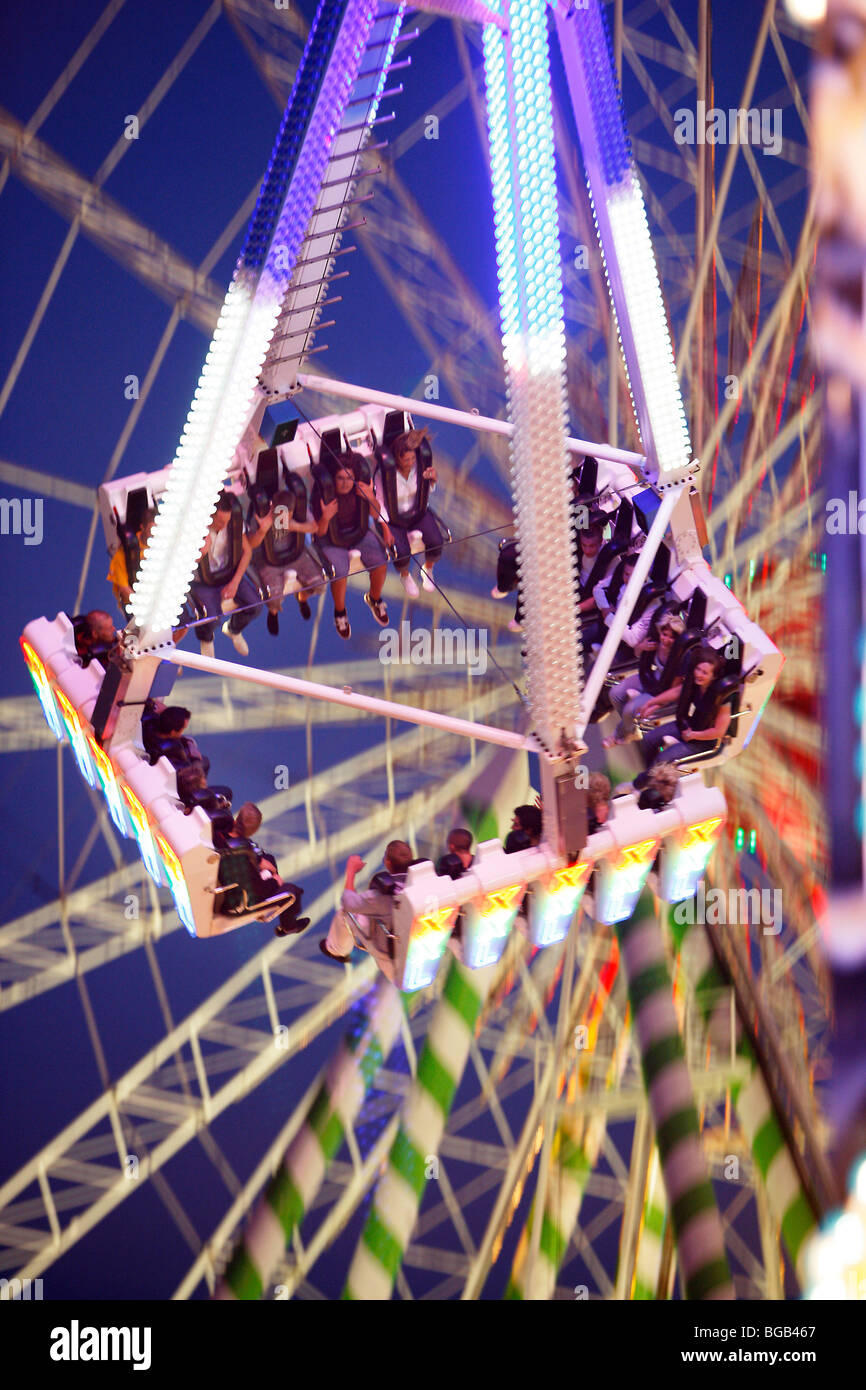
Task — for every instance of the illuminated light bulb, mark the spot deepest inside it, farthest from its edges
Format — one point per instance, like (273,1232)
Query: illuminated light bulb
(42,684)
(848,1240)
(807,12)
(177,884)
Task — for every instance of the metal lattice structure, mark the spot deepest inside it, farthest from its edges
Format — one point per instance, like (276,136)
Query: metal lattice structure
(730,277)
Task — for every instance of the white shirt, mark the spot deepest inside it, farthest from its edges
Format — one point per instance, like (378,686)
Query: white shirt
(636,631)
(219,547)
(406,492)
(588,563)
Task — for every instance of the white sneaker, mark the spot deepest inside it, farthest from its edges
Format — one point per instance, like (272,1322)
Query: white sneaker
(409,584)
(514,626)
(206,648)
(237,640)
(498,593)
(427,581)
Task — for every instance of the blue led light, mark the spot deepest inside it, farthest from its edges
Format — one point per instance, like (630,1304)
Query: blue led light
(308,80)
(604,95)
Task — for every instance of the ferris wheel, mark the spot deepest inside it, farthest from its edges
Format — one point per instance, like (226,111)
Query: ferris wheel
(523,1055)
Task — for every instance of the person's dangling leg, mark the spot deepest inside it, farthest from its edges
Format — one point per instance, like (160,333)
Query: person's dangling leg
(652,745)
(339,942)
(207,597)
(432,538)
(247,599)
(290,922)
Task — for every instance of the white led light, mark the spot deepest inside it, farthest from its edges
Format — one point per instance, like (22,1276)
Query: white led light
(807,12)
(533,343)
(635,260)
(847,1239)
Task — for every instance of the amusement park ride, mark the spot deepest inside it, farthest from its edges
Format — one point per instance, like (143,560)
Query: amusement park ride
(268,323)
(270,315)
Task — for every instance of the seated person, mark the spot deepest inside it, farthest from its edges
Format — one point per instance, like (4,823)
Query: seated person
(507,580)
(453,864)
(264,881)
(597,801)
(170,725)
(96,636)
(118,570)
(525,829)
(190,779)
(590,542)
(193,790)
(634,695)
(375,901)
(217,548)
(408,480)
(345,508)
(661,787)
(704,722)
(273,577)
(607,599)
(458,856)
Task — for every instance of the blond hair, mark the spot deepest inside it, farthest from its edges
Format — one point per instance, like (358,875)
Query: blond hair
(598,789)
(664,778)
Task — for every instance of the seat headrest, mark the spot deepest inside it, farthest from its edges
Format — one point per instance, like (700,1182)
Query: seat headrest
(260,501)
(697,609)
(396,422)
(332,447)
(387,883)
(450,865)
(267,472)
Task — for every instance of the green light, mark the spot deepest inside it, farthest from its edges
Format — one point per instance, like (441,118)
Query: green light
(823,562)
(740,838)
(753,841)
(728,578)
(751,570)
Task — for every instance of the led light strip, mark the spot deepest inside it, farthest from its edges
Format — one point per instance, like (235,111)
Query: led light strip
(520,125)
(427,942)
(686,857)
(42,684)
(626,244)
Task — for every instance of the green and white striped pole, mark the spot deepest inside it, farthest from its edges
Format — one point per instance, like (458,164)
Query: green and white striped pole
(291,1191)
(651,1241)
(697,1224)
(573,1157)
(392,1217)
(786,1199)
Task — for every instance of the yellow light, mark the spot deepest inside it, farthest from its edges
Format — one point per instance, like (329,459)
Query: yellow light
(503,900)
(33,661)
(139,814)
(635,856)
(565,880)
(77,738)
(699,834)
(441,919)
